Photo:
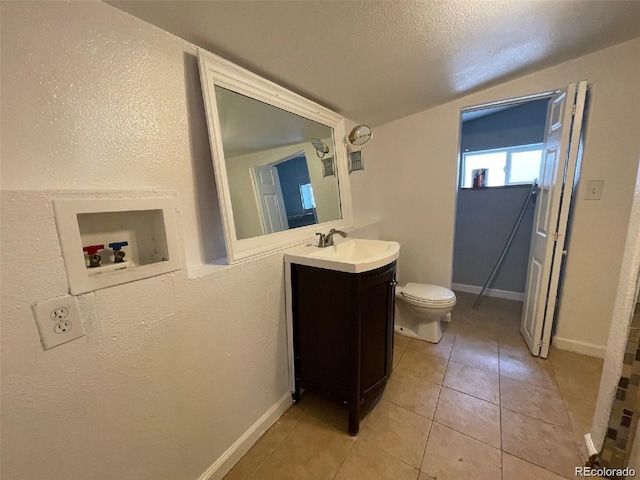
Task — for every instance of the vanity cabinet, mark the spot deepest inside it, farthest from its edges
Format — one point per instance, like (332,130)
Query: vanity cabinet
(343,333)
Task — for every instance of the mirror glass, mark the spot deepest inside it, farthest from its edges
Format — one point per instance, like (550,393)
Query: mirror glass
(276,179)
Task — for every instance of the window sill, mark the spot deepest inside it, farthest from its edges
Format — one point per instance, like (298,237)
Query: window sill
(520,185)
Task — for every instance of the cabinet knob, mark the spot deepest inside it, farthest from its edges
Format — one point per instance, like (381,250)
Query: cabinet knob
(393,283)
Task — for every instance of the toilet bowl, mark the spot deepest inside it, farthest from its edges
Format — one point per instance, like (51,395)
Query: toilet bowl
(420,308)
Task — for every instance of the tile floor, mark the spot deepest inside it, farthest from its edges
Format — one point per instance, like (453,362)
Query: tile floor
(475,406)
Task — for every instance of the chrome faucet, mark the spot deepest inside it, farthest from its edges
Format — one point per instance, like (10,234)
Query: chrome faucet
(321,240)
(328,240)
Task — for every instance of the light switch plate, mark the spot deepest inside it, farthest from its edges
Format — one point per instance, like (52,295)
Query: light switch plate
(594,190)
(58,321)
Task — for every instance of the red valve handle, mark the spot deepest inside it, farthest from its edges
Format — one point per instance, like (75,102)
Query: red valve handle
(93,249)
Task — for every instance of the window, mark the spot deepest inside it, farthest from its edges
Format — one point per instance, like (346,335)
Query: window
(306,193)
(505,166)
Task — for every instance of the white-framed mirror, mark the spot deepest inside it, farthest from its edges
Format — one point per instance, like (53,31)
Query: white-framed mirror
(273,186)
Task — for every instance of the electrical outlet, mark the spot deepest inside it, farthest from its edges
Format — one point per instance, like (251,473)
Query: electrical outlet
(58,321)
(59,313)
(594,190)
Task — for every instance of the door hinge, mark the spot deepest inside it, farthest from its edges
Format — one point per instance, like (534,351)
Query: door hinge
(540,344)
(555,237)
(573,110)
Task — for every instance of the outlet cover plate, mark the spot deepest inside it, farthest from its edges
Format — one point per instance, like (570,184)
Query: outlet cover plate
(58,321)
(594,190)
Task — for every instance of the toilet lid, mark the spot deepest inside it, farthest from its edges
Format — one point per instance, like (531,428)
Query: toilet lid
(423,292)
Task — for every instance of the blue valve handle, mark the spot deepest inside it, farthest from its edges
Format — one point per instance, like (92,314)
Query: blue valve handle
(118,245)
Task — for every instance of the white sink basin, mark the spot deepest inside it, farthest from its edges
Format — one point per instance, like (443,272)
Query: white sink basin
(352,255)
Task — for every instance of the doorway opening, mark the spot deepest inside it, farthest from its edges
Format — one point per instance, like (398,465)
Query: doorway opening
(511,335)
(518,168)
(284,194)
(500,153)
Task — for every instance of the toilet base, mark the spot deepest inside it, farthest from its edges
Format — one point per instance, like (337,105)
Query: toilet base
(409,324)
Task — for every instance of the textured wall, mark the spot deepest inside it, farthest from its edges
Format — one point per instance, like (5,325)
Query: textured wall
(625,303)
(623,421)
(413,163)
(173,370)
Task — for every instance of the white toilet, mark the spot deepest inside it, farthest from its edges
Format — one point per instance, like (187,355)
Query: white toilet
(420,308)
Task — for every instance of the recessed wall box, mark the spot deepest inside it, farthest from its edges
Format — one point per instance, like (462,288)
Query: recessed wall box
(144,229)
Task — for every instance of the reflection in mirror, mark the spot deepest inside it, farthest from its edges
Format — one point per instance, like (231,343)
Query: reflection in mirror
(276,180)
(321,148)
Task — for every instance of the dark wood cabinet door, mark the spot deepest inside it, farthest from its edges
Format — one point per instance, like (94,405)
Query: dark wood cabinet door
(343,333)
(376,324)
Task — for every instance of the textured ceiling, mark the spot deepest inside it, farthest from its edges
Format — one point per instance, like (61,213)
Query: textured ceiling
(377,61)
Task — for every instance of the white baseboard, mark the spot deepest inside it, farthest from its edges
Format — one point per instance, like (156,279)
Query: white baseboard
(577,346)
(234,453)
(490,292)
(589,446)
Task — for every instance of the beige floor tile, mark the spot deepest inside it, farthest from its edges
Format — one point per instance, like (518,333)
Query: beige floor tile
(314,408)
(464,300)
(397,431)
(311,442)
(412,393)
(575,373)
(450,455)
(474,417)
(456,315)
(574,362)
(400,340)
(441,349)
(580,410)
(250,462)
(290,418)
(578,383)
(398,352)
(540,443)
(510,333)
(536,402)
(481,335)
(580,407)
(471,380)
(449,328)
(477,317)
(366,461)
(516,349)
(514,468)
(530,370)
(482,357)
(312,450)
(502,307)
(426,367)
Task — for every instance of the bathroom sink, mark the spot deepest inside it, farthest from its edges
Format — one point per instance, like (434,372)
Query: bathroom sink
(352,255)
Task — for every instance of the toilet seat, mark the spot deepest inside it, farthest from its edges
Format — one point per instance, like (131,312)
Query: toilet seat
(427,295)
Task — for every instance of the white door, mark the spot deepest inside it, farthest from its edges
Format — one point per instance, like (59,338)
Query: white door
(269,198)
(557,171)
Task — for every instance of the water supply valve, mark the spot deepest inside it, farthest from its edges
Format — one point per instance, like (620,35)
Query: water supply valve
(118,253)
(94,258)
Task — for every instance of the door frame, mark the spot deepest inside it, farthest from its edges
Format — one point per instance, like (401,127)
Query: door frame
(515,101)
